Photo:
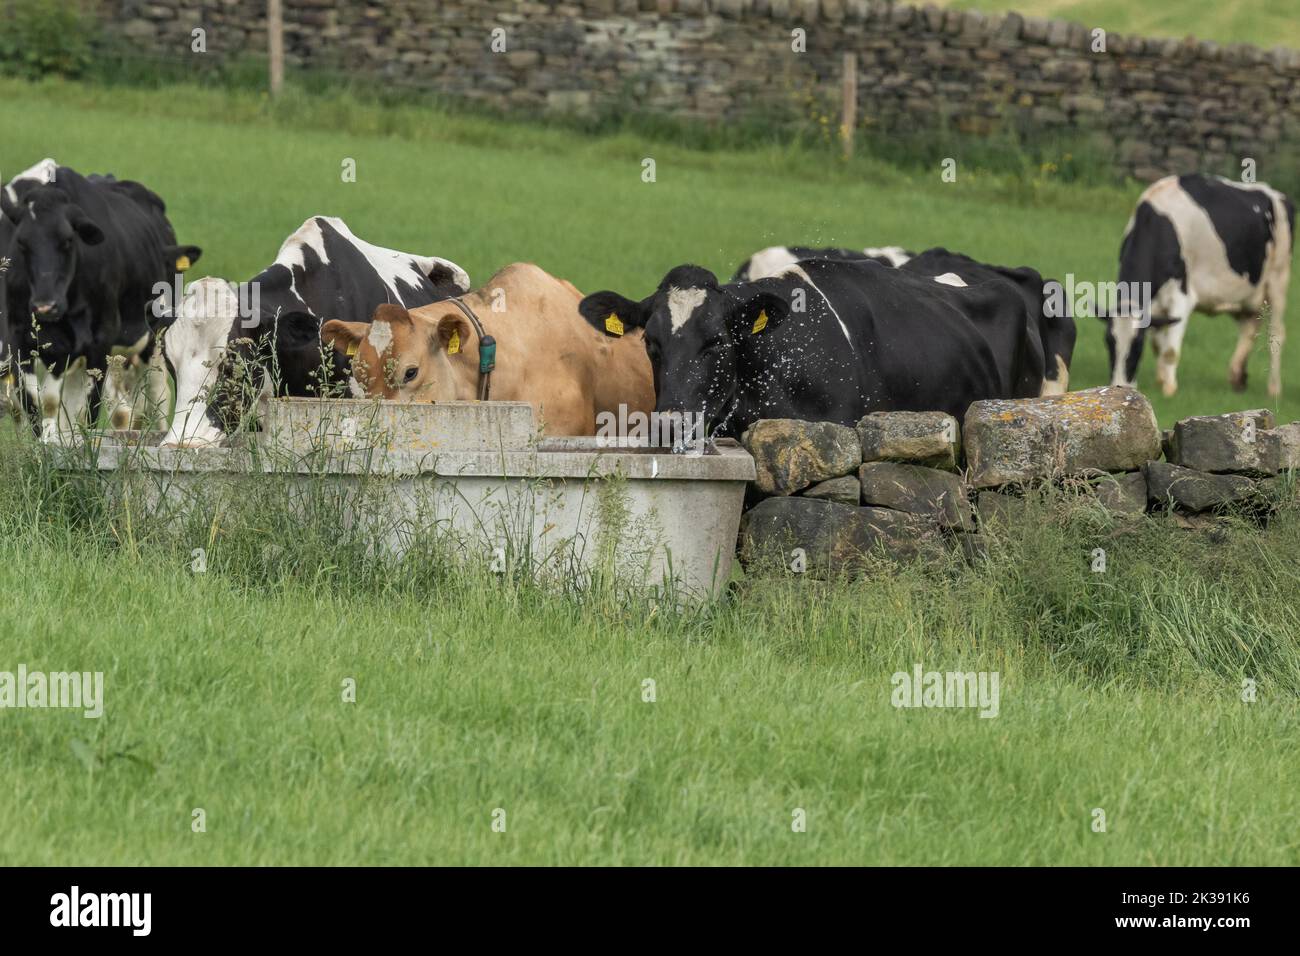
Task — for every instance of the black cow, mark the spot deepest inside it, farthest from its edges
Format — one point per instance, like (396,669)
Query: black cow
(271,324)
(827,340)
(86,257)
(1201,244)
(774,260)
(1051,317)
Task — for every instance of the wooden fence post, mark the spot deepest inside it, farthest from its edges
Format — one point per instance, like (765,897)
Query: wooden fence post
(849,109)
(275,43)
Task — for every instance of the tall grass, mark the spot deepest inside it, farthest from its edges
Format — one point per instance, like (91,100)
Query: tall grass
(477,692)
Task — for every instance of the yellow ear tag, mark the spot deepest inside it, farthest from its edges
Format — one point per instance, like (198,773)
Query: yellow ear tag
(453,344)
(182,263)
(760,323)
(613,325)
(352,349)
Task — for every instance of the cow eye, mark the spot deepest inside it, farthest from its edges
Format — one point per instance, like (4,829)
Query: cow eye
(411,372)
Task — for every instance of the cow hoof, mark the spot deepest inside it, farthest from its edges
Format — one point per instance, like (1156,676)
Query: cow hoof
(1238,382)
(1169,388)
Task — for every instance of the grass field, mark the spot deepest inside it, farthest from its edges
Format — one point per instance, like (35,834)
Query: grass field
(1120,691)
(1260,22)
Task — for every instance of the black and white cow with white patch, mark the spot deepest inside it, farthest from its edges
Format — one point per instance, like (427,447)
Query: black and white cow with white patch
(774,260)
(827,340)
(1056,328)
(1202,244)
(272,322)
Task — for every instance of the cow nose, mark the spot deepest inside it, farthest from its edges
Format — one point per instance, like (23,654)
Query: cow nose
(43,308)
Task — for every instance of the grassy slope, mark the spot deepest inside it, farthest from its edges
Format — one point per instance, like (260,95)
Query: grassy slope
(1261,22)
(1119,692)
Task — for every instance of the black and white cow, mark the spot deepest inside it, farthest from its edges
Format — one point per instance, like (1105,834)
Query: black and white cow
(272,322)
(1056,327)
(827,340)
(774,260)
(11,327)
(1055,324)
(1202,244)
(86,256)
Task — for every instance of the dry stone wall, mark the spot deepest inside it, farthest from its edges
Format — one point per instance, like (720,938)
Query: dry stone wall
(906,484)
(1155,105)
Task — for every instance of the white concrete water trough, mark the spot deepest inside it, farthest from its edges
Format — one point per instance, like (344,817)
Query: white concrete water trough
(473,478)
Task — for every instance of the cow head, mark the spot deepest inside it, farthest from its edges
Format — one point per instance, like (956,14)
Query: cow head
(408,357)
(194,348)
(698,336)
(50,231)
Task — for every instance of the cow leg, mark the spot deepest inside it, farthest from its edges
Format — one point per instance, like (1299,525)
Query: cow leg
(1247,330)
(11,398)
(1123,329)
(156,392)
(1276,337)
(65,402)
(1167,341)
(117,388)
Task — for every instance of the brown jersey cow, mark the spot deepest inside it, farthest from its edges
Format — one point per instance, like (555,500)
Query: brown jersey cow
(547,354)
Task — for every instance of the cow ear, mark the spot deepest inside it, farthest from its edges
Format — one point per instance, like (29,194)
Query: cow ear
(612,314)
(758,315)
(443,272)
(342,336)
(181,258)
(86,230)
(452,334)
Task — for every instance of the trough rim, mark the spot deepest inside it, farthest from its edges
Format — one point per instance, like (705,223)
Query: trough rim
(728,463)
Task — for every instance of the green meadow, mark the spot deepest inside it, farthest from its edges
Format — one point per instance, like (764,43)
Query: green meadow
(224,690)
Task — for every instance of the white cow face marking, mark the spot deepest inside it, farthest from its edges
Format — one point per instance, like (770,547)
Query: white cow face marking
(380,337)
(682,304)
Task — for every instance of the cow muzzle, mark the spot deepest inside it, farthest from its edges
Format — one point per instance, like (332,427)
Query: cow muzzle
(46,310)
